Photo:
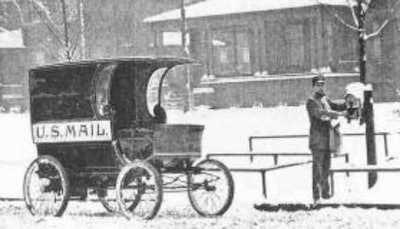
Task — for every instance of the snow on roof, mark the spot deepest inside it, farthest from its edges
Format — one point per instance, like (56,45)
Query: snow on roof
(11,39)
(222,7)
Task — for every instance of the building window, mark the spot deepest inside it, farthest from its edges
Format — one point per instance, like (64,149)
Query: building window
(231,52)
(345,49)
(171,38)
(294,45)
(286,48)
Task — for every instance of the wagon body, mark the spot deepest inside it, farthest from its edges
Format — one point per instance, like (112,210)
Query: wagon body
(177,140)
(93,116)
(100,125)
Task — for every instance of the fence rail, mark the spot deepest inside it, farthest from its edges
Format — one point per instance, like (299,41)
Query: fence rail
(263,171)
(276,155)
(252,138)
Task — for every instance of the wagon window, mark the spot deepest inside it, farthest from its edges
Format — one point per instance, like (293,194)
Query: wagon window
(153,89)
(102,89)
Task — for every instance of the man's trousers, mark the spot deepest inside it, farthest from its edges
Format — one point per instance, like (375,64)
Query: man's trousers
(321,167)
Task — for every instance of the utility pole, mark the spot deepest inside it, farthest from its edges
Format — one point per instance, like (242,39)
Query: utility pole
(67,44)
(368,113)
(186,52)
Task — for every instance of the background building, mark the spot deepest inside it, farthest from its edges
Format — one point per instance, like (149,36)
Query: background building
(253,52)
(13,65)
(264,53)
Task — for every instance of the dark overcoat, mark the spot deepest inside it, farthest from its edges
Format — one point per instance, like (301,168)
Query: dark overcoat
(320,116)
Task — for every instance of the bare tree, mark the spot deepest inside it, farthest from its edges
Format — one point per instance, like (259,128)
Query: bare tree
(57,24)
(83,29)
(359,11)
(4,13)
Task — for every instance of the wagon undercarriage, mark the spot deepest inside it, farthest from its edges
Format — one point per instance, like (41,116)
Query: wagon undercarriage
(136,190)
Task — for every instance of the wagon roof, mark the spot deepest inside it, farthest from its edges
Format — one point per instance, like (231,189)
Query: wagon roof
(159,61)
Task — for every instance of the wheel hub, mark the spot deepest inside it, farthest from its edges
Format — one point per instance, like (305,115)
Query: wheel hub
(208,187)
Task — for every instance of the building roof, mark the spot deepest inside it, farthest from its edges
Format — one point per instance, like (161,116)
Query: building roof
(11,39)
(222,7)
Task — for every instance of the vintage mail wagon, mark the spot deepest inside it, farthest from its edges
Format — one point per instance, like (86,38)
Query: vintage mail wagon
(100,128)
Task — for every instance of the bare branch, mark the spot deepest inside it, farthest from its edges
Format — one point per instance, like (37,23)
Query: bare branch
(377,32)
(47,22)
(353,13)
(72,50)
(19,11)
(42,11)
(347,24)
(341,20)
(48,50)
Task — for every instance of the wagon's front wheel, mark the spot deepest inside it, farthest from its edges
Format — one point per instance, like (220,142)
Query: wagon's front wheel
(139,190)
(46,187)
(211,188)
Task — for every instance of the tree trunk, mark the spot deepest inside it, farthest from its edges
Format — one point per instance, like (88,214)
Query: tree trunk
(83,30)
(67,43)
(368,106)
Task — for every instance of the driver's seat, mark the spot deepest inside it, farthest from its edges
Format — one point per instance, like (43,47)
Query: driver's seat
(160,116)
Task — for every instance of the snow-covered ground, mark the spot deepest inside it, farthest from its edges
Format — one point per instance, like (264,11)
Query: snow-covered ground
(227,131)
(91,215)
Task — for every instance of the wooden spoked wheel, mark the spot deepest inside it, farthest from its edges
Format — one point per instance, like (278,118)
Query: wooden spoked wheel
(210,188)
(46,187)
(139,190)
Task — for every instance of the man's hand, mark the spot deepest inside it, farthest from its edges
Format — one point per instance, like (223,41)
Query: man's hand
(343,113)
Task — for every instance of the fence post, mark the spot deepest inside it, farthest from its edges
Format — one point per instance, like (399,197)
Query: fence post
(385,141)
(264,184)
(251,148)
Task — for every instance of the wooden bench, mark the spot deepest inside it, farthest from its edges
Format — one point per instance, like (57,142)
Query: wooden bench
(361,169)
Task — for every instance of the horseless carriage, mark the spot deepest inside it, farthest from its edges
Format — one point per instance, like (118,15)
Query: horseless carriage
(100,128)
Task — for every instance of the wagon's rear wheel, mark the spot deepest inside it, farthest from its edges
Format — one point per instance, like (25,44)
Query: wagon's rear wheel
(210,188)
(139,190)
(46,187)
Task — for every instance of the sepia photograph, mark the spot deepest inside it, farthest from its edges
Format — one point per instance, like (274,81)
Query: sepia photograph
(200,114)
